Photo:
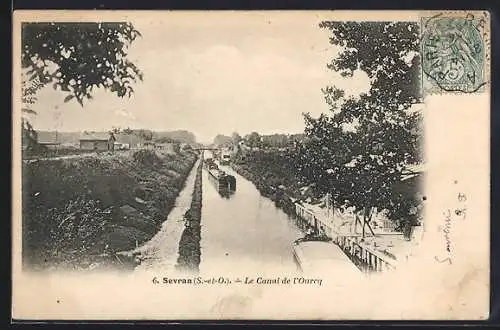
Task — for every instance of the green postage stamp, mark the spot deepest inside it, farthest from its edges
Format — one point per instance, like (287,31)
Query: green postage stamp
(455,52)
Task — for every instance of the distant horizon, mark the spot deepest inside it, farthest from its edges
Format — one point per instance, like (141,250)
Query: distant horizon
(159,131)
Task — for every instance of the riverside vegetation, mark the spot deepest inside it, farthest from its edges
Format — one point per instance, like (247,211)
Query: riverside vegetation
(273,175)
(189,244)
(77,213)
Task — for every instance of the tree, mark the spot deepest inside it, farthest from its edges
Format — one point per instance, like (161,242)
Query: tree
(359,152)
(176,147)
(236,138)
(75,58)
(273,140)
(165,139)
(253,139)
(29,136)
(29,88)
(222,140)
(78,57)
(128,131)
(145,134)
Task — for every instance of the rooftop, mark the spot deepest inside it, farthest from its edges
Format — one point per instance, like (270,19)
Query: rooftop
(95,136)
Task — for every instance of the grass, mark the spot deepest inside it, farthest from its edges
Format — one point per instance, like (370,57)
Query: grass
(189,244)
(73,209)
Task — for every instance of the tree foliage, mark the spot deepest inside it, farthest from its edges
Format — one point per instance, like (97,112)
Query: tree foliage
(221,140)
(128,131)
(29,88)
(360,151)
(145,134)
(253,140)
(29,136)
(236,137)
(388,52)
(78,57)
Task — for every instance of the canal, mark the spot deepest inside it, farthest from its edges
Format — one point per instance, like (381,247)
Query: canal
(244,230)
(239,232)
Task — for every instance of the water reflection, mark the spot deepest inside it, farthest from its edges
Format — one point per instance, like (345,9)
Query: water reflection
(243,229)
(226,193)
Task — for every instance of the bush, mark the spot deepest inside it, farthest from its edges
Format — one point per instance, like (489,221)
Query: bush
(146,158)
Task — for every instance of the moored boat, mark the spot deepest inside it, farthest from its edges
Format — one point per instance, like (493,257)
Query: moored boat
(224,180)
(321,255)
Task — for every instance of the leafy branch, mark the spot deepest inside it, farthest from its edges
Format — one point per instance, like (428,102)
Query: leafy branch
(78,57)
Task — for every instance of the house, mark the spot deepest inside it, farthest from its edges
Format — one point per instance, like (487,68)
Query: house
(169,147)
(50,145)
(149,145)
(98,141)
(131,140)
(121,146)
(47,139)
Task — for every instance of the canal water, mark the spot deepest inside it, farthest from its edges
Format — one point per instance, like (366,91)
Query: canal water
(242,231)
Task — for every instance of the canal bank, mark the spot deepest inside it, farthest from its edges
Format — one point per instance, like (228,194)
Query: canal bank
(161,252)
(80,212)
(278,194)
(189,243)
(377,252)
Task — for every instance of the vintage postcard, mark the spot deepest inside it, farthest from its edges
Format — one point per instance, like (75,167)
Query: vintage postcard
(272,165)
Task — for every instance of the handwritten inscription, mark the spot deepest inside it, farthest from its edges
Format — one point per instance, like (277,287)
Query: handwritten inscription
(446,230)
(459,212)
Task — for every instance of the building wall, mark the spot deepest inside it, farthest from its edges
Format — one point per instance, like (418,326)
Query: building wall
(121,146)
(51,146)
(94,145)
(168,147)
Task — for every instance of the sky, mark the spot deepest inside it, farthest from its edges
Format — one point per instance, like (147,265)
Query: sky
(213,74)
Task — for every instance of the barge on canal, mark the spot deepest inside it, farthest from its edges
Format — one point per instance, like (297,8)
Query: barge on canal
(223,180)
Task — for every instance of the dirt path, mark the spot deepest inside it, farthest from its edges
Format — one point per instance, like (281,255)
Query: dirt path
(161,251)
